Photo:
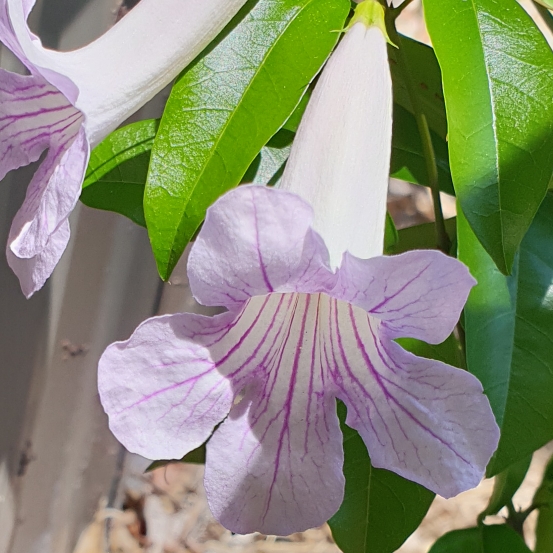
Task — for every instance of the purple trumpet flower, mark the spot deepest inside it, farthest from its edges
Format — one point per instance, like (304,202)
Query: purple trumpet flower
(72,100)
(313,309)
(295,337)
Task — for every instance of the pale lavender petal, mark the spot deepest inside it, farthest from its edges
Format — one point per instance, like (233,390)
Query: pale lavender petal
(423,419)
(275,464)
(33,116)
(34,271)
(161,388)
(254,241)
(418,294)
(51,195)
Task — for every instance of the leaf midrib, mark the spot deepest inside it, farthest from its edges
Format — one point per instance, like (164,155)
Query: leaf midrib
(494,129)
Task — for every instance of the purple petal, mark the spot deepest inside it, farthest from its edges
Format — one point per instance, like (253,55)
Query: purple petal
(423,419)
(254,241)
(34,271)
(51,195)
(419,294)
(161,388)
(33,116)
(275,464)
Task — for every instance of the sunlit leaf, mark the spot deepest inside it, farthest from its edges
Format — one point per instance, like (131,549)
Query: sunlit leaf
(226,107)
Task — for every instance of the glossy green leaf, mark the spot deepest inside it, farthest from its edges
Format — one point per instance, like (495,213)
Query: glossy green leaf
(226,107)
(484,539)
(380,509)
(498,83)
(117,170)
(509,336)
(506,484)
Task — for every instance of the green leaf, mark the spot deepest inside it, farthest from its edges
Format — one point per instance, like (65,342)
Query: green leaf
(544,499)
(426,75)
(509,336)
(498,82)
(117,170)
(226,107)
(484,539)
(380,509)
(505,485)
(544,530)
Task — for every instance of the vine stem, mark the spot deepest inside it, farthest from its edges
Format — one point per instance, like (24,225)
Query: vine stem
(442,237)
(395,12)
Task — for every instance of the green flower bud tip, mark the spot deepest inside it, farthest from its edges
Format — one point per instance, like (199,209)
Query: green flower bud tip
(370,13)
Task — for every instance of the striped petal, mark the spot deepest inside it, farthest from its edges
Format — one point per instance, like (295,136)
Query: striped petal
(255,241)
(33,272)
(423,419)
(419,294)
(275,465)
(33,116)
(161,388)
(51,196)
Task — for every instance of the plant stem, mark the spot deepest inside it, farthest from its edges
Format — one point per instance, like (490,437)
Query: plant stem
(545,14)
(397,11)
(442,237)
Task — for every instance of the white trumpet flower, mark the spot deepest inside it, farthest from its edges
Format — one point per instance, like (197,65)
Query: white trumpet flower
(343,163)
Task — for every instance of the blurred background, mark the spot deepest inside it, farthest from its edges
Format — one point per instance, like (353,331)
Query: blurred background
(66,485)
